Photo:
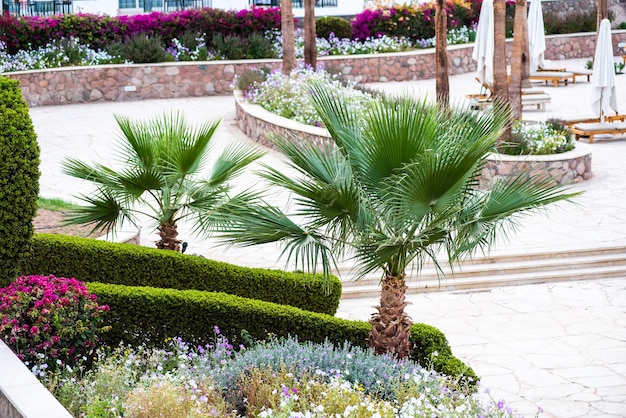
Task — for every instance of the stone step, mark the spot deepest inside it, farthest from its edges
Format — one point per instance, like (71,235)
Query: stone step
(505,271)
(555,263)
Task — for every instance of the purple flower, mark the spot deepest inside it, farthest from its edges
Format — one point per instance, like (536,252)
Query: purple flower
(500,404)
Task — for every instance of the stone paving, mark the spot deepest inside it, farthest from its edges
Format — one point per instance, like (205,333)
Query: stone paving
(558,346)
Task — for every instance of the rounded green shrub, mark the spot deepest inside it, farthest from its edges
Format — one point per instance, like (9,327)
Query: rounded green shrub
(19,178)
(324,26)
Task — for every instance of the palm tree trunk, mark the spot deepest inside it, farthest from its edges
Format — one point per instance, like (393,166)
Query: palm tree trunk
(441,54)
(518,60)
(500,84)
(603,12)
(289,46)
(391,326)
(310,45)
(168,233)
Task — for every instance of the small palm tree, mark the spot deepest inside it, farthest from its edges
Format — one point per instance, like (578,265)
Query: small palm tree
(398,186)
(162,159)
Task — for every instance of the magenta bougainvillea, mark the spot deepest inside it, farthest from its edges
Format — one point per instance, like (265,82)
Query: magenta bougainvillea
(50,320)
(98,32)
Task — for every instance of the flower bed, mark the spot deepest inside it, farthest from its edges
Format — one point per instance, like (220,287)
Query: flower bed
(568,167)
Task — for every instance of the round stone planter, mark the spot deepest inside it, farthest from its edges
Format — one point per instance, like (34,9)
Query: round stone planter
(568,167)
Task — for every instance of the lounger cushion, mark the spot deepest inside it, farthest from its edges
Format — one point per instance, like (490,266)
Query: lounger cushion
(601,127)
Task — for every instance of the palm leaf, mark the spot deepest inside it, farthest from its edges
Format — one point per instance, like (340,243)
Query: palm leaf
(232,161)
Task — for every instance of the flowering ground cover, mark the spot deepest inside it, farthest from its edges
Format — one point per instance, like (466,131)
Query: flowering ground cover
(278,378)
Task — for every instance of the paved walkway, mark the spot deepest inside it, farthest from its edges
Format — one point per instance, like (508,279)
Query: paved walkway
(559,346)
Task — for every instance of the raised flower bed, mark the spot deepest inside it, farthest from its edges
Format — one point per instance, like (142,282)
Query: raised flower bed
(568,167)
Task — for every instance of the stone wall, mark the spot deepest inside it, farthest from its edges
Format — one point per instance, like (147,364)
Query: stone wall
(564,8)
(568,167)
(188,79)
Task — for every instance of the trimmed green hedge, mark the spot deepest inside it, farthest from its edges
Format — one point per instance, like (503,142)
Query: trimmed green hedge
(99,261)
(143,315)
(19,177)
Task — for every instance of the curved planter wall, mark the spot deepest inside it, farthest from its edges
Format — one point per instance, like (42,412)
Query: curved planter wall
(569,167)
(191,79)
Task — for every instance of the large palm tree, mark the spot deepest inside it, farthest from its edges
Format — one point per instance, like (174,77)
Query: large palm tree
(397,186)
(162,159)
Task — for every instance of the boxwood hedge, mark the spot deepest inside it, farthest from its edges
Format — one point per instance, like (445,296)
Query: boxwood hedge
(143,315)
(99,261)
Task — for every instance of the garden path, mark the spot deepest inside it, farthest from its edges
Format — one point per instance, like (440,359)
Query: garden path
(559,346)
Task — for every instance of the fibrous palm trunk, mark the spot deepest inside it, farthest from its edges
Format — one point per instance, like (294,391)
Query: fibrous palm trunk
(168,233)
(518,60)
(310,45)
(441,54)
(287,29)
(391,326)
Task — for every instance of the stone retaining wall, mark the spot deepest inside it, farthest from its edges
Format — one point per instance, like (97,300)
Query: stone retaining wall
(192,79)
(568,167)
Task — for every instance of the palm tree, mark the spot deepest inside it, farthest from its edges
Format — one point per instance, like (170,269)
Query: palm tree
(287,32)
(442,84)
(161,160)
(398,186)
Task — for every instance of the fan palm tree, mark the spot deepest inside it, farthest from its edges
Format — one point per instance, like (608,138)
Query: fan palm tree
(162,159)
(398,186)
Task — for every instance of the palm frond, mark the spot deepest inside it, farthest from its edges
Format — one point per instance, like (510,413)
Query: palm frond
(102,210)
(487,215)
(261,224)
(232,162)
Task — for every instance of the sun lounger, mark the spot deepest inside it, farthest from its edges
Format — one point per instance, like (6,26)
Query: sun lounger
(607,118)
(551,66)
(592,129)
(530,97)
(554,76)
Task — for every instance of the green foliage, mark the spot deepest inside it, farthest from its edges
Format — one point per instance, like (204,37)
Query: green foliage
(141,48)
(260,46)
(148,316)
(100,261)
(19,178)
(622,25)
(247,80)
(579,21)
(340,27)
(550,137)
(230,46)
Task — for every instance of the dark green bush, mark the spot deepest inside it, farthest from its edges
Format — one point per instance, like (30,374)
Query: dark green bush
(230,46)
(19,178)
(249,78)
(98,261)
(324,26)
(580,21)
(260,47)
(141,315)
(141,49)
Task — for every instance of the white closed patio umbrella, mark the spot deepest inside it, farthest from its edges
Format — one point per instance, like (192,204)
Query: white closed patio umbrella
(536,36)
(603,91)
(483,47)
